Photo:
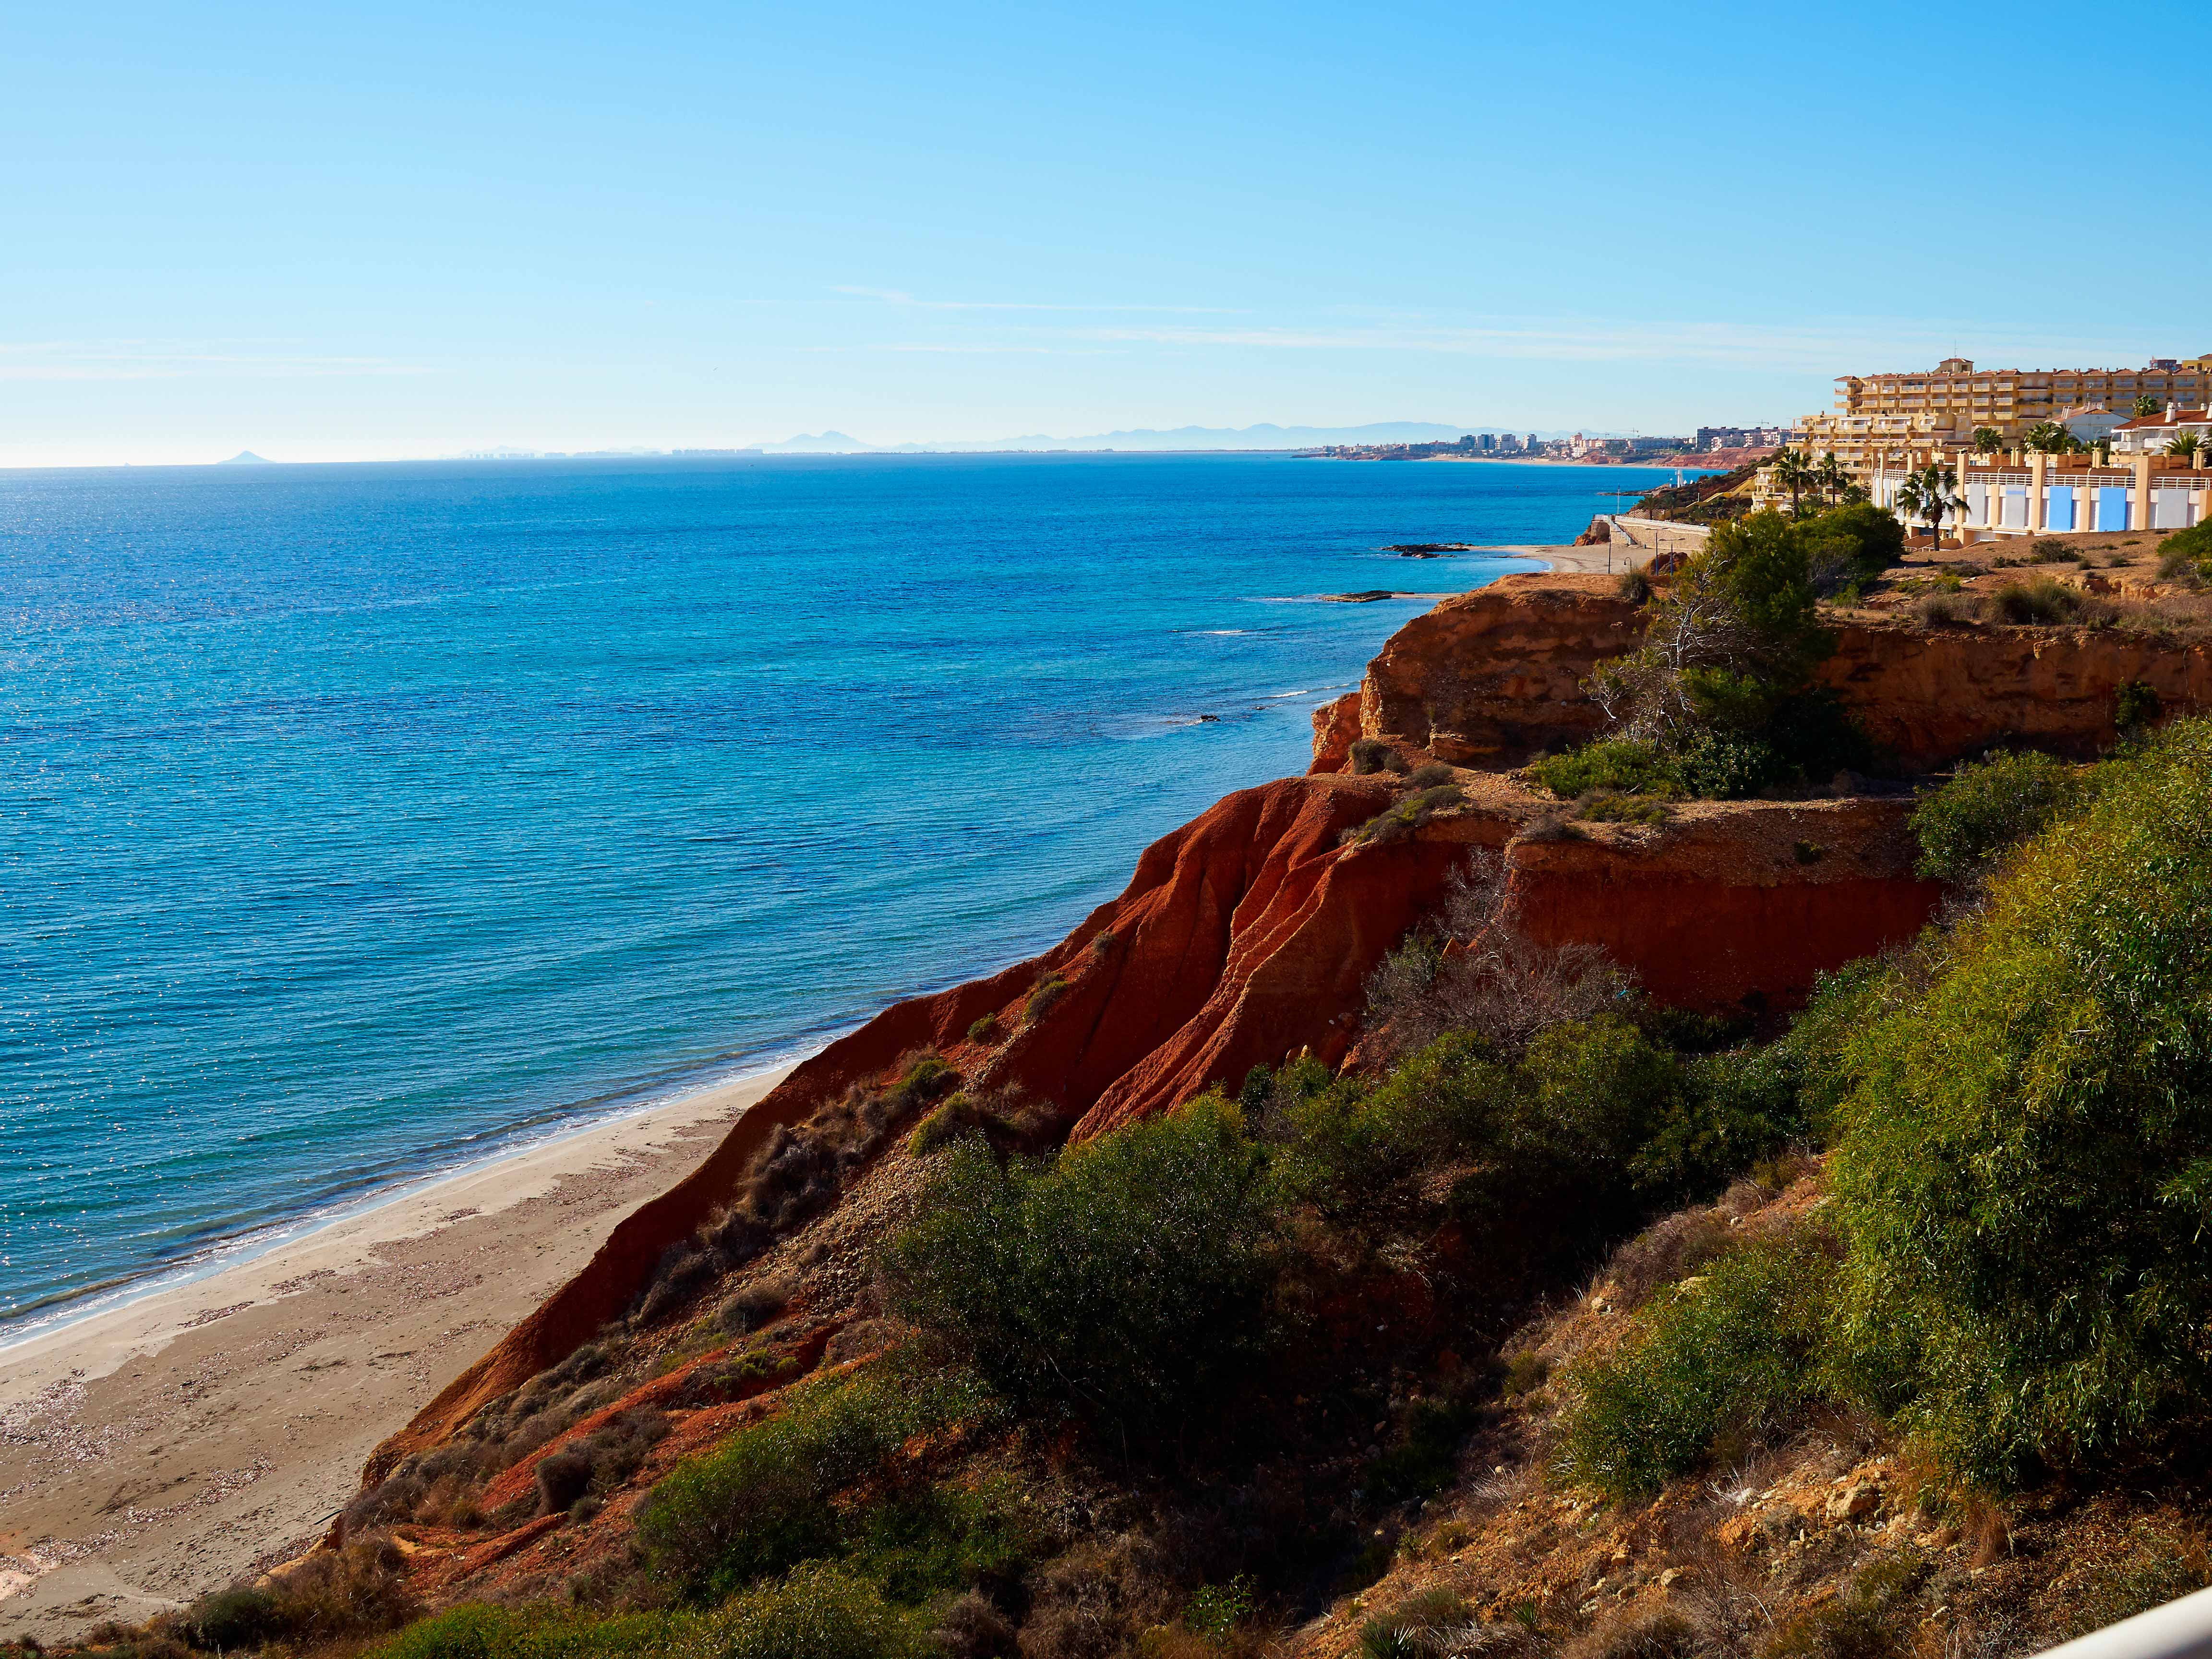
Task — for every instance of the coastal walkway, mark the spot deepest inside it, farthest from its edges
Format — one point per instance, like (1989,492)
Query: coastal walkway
(1657,535)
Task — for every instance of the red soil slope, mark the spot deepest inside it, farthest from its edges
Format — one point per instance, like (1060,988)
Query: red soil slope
(1249,933)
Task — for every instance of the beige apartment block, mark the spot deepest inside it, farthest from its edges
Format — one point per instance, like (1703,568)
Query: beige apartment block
(1891,422)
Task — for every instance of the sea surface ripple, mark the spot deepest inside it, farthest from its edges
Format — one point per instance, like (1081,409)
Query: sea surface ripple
(360,820)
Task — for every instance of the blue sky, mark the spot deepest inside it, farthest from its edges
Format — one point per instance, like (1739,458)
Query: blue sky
(327,232)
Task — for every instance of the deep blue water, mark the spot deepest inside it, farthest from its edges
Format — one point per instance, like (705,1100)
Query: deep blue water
(356,818)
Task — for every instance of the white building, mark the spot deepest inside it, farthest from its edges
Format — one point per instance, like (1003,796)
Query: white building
(2150,435)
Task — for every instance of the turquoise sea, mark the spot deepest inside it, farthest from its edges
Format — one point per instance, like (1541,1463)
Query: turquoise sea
(360,820)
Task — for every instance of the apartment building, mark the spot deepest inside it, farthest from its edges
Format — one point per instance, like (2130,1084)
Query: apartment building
(2154,434)
(2017,493)
(1894,421)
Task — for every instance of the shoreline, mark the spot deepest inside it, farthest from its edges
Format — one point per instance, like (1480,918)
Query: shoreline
(167,1443)
(157,1449)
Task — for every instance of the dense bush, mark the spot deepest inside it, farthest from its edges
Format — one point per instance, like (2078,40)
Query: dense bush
(815,1612)
(1622,766)
(2187,552)
(1572,1141)
(2041,601)
(1372,754)
(1045,993)
(763,1501)
(2025,1166)
(475,1630)
(1719,701)
(2136,707)
(1848,548)
(1988,808)
(1128,1281)
(359,1590)
(1722,1358)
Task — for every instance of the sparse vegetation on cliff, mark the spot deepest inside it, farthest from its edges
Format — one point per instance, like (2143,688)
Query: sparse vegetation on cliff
(1719,701)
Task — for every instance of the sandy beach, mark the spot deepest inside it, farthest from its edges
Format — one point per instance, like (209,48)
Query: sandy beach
(155,1450)
(1600,560)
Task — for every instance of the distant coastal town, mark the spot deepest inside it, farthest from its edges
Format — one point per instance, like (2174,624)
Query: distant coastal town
(1968,452)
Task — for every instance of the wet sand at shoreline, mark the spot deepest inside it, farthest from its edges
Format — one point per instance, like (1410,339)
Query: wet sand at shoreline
(156,1450)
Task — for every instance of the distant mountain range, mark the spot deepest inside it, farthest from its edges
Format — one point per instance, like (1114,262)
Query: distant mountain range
(247,458)
(1265,436)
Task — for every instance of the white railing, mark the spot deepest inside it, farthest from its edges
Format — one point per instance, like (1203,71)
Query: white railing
(2180,1630)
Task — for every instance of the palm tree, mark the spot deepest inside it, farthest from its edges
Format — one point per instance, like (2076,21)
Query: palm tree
(2186,445)
(2049,436)
(1795,474)
(1930,493)
(1988,440)
(2146,406)
(1833,478)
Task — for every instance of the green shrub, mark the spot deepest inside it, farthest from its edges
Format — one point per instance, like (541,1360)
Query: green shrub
(941,1127)
(1733,1108)
(1128,1281)
(762,1502)
(1412,1626)
(228,1619)
(1622,809)
(1707,1370)
(1409,814)
(2186,551)
(1347,1146)
(1989,807)
(1216,1610)
(1943,609)
(1046,991)
(1846,549)
(2041,602)
(1817,1052)
(983,1029)
(1430,776)
(816,1613)
(359,1590)
(1372,754)
(475,1630)
(2025,1167)
(917,1545)
(2134,707)
(1616,766)
(1719,699)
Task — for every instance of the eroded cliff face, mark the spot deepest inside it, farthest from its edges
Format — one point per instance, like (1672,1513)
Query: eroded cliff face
(1249,933)
(1490,677)
(1934,696)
